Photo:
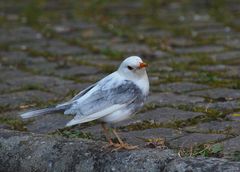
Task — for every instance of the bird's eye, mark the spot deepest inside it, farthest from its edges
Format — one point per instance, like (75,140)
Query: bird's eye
(130,68)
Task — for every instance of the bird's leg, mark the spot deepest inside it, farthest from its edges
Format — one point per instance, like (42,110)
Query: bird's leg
(118,138)
(121,144)
(106,132)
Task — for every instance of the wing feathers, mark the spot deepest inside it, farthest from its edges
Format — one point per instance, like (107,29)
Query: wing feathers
(109,110)
(107,96)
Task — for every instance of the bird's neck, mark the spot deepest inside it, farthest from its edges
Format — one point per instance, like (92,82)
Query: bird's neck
(141,81)
(143,84)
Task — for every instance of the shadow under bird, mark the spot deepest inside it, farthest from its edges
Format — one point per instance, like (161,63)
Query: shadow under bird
(112,99)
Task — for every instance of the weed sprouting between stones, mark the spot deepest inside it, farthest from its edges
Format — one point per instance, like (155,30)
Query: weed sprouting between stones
(205,150)
(71,133)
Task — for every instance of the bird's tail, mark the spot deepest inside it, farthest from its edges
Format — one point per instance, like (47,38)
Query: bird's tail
(39,112)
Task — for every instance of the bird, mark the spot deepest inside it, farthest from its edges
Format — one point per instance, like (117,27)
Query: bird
(112,99)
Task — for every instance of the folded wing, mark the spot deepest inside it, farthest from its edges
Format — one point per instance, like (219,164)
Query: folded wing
(103,100)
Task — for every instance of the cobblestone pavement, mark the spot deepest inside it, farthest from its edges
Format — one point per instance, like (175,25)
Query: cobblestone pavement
(50,50)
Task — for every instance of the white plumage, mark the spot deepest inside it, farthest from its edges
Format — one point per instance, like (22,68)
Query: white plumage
(112,99)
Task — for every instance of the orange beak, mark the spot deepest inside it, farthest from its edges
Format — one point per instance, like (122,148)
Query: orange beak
(142,65)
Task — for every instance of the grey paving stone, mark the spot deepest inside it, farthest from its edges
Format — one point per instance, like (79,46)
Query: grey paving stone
(41,66)
(13,57)
(156,68)
(76,71)
(68,26)
(106,64)
(171,99)
(94,34)
(202,49)
(236,21)
(23,60)
(195,139)
(60,48)
(202,164)
(217,36)
(27,45)
(130,48)
(45,82)
(179,60)
(13,114)
(230,147)
(233,72)
(5,126)
(156,54)
(208,23)
(92,78)
(94,57)
(15,100)
(95,130)
(234,116)
(227,127)
(221,106)
(226,55)
(218,93)
(161,115)
(53,47)
(22,33)
(214,31)
(154,33)
(232,43)
(215,68)
(181,42)
(3,88)
(181,87)
(102,44)
(137,137)
(143,137)
(11,73)
(42,149)
(48,123)
(88,34)
(181,75)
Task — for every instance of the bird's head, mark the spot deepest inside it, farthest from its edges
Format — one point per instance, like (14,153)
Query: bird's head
(133,67)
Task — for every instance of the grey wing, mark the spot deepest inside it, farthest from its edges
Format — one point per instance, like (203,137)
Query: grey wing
(83,92)
(103,102)
(80,94)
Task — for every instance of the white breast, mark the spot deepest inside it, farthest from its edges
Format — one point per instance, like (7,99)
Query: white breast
(117,116)
(143,84)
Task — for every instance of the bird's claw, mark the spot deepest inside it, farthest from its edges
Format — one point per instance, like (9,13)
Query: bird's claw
(108,145)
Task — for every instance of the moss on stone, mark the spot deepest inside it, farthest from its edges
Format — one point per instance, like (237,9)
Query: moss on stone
(16,124)
(205,150)
(116,55)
